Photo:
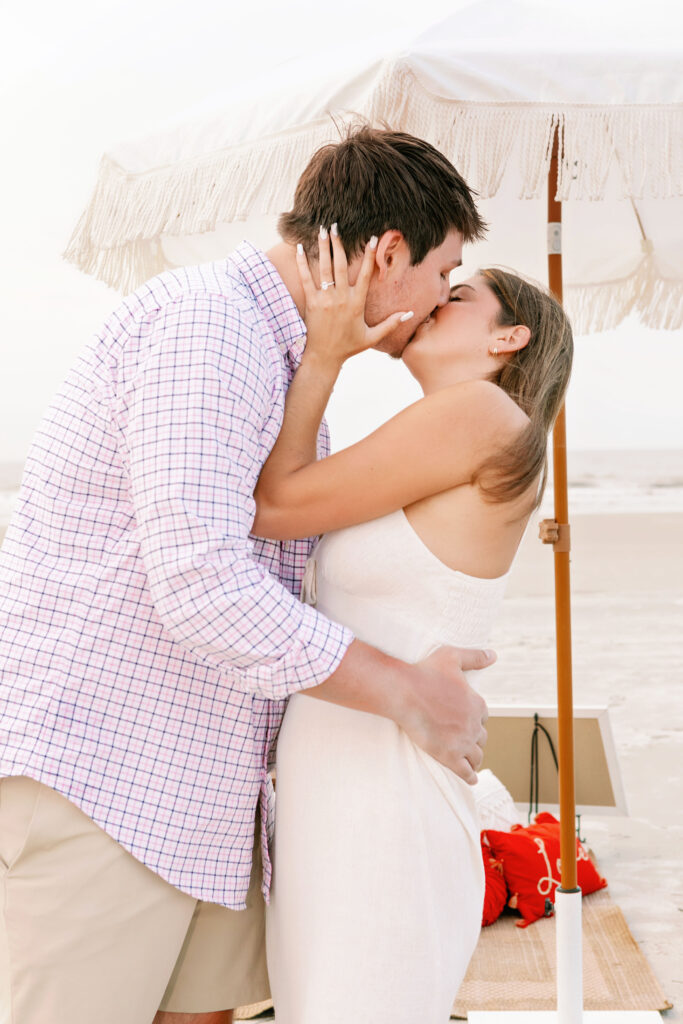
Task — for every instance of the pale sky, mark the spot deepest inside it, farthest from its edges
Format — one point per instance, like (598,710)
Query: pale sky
(79,77)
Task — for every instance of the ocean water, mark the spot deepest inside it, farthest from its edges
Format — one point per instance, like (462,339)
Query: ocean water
(600,482)
(609,482)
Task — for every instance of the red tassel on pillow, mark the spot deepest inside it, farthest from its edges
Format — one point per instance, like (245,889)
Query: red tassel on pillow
(496,894)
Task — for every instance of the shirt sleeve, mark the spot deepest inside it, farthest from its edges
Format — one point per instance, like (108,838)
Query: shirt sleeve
(191,418)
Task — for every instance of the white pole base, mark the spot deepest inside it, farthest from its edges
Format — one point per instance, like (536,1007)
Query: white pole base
(569,948)
(552,1017)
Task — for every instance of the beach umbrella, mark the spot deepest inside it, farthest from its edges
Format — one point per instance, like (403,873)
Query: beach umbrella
(569,126)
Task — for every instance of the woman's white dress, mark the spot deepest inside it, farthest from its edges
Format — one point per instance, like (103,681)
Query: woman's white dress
(378,883)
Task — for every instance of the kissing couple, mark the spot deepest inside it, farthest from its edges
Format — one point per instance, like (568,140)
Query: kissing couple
(156,659)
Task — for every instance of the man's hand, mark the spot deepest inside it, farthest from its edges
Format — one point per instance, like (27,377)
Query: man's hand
(445,716)
(432,701)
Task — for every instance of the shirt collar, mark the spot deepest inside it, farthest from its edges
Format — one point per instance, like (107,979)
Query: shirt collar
(273,299)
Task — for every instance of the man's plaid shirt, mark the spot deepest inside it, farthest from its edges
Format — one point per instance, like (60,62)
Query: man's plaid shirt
(147,642)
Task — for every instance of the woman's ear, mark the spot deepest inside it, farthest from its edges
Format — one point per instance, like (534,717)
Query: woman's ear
(515,338)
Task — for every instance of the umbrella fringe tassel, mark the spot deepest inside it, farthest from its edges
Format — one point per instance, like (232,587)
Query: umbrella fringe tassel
(656,301)
(482,139)
(119,236)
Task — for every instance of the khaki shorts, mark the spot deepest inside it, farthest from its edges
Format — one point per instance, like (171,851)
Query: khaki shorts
(88,933)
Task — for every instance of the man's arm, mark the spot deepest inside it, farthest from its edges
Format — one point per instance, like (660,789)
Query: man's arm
(190,421)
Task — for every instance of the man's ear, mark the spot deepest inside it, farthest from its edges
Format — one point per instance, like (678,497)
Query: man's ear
(389,249)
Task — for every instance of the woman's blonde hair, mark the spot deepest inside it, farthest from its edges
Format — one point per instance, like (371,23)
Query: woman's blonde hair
(536,377)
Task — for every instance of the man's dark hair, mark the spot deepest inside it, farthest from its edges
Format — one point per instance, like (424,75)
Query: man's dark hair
(376,180)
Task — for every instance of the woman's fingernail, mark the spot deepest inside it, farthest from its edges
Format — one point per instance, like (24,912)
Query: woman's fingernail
(373,242)
(335,230)
(490,654)
(407,316)
(299,248)
(323,232)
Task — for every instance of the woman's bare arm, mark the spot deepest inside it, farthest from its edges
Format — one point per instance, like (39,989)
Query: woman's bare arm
(435,444)
(336,330)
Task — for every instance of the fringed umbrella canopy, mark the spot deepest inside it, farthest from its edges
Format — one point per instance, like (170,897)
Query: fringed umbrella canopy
(488,86)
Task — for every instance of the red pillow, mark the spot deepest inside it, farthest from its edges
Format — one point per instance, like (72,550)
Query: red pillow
(531,865)
(496,894)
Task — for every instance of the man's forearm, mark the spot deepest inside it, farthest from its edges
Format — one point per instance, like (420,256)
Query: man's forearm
(368,680)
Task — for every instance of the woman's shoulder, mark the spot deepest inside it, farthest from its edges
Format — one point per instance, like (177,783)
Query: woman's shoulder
(481,403)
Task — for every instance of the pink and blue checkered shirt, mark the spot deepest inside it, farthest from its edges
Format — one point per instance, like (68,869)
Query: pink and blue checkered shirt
(147,642)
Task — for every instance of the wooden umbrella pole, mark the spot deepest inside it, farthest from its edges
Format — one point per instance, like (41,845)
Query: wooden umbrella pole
(565,709)
(565,702)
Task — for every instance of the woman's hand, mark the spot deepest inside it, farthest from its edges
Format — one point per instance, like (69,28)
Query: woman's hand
(335,312)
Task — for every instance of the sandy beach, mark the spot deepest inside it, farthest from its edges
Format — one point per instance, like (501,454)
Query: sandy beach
(628,655)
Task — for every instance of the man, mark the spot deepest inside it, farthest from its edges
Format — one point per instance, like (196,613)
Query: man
(148,643)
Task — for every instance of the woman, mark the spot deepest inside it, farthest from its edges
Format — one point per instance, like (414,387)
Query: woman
(378,891)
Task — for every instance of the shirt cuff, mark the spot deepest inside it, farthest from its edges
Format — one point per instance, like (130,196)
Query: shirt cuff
(314,655)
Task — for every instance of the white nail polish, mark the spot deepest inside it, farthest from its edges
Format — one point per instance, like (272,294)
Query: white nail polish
(373,242)
(299,248)
(407,316)
(323,233)
(335,230)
